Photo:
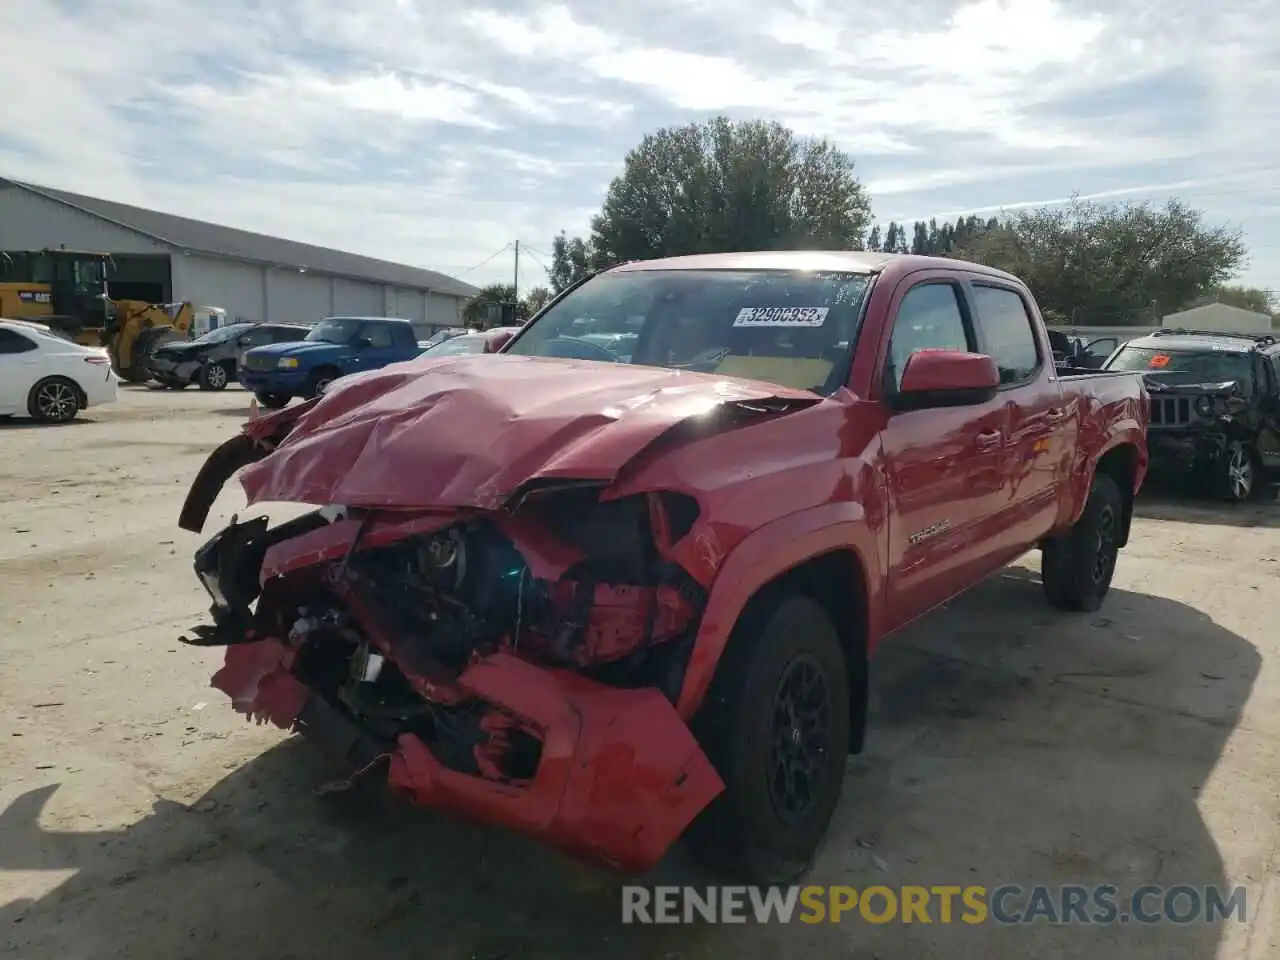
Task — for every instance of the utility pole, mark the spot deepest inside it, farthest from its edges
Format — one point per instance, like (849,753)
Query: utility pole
(515,279)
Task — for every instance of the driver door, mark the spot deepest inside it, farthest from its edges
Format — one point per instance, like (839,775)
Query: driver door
(942,466)
(1095,353)
(377,350)
(1269,404)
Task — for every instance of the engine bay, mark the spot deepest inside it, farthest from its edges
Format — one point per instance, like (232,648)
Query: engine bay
(382,615)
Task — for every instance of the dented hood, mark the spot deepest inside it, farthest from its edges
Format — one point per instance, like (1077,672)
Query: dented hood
(469,431)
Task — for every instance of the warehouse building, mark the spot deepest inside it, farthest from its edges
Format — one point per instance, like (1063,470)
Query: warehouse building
(164,258)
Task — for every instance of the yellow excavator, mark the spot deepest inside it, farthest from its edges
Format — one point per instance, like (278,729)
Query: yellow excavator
(68,290)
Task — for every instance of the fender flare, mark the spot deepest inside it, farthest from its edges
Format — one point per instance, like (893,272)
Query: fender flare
(1130,435)
(760,558)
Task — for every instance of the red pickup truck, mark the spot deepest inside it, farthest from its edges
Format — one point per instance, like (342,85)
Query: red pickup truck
(612,601)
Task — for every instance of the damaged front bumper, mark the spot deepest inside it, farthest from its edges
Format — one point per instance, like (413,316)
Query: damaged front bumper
(562,728)
(618,780)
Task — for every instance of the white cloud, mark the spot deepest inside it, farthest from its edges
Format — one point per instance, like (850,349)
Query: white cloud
(435,134)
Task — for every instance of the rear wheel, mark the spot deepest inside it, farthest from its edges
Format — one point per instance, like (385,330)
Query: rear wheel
(273,401)
(1235,473)
(214,376)
(54,400)
(776,726)
(1076,568)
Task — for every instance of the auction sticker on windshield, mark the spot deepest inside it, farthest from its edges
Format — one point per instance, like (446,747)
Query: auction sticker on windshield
(1159,360)
(781,317)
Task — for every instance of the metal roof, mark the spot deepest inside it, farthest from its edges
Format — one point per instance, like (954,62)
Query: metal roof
(213,239)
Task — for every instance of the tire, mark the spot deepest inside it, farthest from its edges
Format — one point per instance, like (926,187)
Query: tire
(1235,473)
(273,401)
(747,832)
(144,346)
(213,376)
(54,400)
(319,380)
(1077,567)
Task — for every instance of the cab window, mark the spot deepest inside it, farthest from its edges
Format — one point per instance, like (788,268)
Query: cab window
(929,318)
(378,335)
(1008,336)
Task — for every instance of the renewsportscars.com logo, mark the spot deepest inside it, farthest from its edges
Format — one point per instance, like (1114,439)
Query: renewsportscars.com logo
(941,903)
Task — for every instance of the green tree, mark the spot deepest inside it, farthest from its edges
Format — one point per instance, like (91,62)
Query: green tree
(1116,264)
(721,186)
(874,241)
(535,300)
(571,260)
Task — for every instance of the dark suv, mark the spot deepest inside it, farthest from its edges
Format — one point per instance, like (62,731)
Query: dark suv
(1215,405)
(213,360)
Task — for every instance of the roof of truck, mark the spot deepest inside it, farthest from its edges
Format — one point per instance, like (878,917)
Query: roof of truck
(347,316)
(1203,340)
(845,261)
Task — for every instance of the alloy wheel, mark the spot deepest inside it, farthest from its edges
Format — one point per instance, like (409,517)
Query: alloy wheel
(56,401)
(801,738)
(1240,474)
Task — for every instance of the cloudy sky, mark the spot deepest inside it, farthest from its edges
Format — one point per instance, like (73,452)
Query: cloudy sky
(436,133)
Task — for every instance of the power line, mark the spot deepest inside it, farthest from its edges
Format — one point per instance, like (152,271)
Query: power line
(537,260)
(486,260)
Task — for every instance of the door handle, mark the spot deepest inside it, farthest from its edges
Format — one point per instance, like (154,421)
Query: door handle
(990,440)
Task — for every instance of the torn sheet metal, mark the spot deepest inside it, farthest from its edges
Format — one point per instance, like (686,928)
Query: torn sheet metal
(468,431)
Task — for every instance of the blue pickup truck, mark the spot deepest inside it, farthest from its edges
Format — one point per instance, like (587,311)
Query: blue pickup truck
(335,347)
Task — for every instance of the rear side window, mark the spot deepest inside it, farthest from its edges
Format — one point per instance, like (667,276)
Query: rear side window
(286,334)
(1007,334)
(13,342)
(378,335)
(929,318)
(257,337)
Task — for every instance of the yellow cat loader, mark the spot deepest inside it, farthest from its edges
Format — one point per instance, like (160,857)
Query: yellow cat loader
(67,289)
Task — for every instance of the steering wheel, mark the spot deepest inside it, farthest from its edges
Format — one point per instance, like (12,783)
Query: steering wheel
(574,348)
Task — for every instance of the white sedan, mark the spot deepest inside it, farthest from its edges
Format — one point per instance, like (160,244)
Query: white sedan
(48,377)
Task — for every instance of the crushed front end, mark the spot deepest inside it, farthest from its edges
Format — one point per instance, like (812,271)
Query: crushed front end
(517,666)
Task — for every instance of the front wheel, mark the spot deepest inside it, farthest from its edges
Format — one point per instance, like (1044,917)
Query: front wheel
(775,725)
(319,382)
(54,400)
(213,376)
(1076,568)
(1235,473)
(273,401)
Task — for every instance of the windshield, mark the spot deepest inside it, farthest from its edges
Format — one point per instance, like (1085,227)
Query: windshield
(1185,366)
(456,346)
(333,331)
(790,328)
(223,334)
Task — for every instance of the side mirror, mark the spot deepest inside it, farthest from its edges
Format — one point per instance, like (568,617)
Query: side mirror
(242,342)
(363,343)
(946,378)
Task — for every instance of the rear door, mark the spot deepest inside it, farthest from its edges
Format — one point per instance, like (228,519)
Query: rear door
(942,466)
(257,337)
(1038,443)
